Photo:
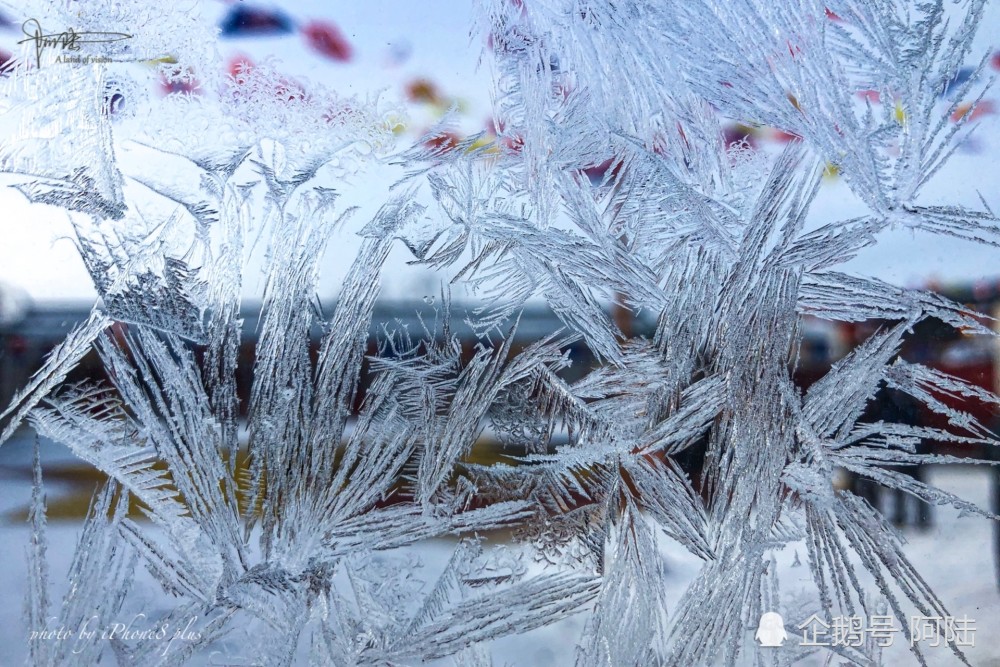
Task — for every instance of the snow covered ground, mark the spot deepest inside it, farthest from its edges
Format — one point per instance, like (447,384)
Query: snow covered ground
(955,557)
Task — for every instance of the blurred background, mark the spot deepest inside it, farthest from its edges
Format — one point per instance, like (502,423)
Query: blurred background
(423,57)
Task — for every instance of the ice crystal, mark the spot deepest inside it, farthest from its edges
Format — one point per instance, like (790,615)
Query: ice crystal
(294,539)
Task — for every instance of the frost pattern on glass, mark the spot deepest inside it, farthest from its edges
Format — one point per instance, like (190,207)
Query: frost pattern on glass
(294,543)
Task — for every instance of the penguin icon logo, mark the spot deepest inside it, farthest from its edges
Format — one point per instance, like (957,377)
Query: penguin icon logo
(771,631)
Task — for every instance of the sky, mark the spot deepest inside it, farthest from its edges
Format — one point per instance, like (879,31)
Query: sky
(393,43)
